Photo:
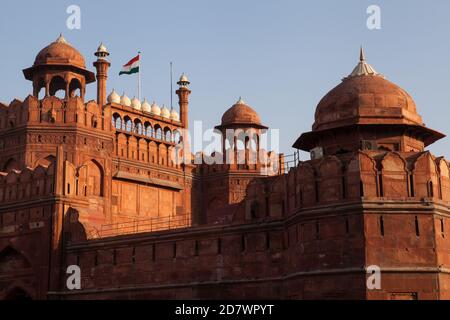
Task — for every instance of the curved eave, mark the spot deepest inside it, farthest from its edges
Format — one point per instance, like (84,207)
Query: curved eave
(308,140)
(89,75)
(240,125)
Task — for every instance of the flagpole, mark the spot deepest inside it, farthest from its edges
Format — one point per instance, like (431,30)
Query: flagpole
(139,77)
(171,88)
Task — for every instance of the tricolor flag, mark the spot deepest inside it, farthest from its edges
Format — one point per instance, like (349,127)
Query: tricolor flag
(131,67)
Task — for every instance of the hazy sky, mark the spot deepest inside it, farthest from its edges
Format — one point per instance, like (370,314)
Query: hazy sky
(280,56)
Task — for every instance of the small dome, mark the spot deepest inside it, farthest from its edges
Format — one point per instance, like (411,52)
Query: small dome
(60,52)
(184,78)
(124,100)
(156,110)
(241,113)
(165,113)
(114,97)
(101,48)
(174,115)
(146,106)
(135,103)
(183,82)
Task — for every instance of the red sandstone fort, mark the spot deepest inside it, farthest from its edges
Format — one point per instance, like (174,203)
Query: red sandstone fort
(93,184)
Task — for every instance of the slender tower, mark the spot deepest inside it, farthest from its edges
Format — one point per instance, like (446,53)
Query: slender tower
(183,93)
(102,64)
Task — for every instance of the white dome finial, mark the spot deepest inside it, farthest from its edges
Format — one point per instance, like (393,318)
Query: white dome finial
(184,81)
(363,68)
(240,101)
(61,39)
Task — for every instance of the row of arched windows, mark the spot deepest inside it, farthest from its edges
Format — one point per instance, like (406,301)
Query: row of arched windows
(59,87)
(146,129)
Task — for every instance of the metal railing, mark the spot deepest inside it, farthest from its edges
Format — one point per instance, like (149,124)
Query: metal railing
(289,161)
(138,225)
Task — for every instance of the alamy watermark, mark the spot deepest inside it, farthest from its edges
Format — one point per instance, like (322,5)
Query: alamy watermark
(74,279)
(373,281)
(73,21)
(374,19)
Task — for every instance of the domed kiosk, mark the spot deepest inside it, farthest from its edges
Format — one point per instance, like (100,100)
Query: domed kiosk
(241,115)
(59,66)
(367,112)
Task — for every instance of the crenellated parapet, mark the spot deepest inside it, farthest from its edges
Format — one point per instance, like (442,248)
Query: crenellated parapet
(27,184)
(354,177)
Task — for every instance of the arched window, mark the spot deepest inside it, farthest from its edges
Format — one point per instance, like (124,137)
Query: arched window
(158,132)
(58,87)
(430,189)
(148,129)
(167,134)
(138,126)
(128,123)
(40,89)
(75,88)
(117,121)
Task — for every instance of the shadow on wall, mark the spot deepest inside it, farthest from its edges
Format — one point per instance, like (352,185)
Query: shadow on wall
(75,230)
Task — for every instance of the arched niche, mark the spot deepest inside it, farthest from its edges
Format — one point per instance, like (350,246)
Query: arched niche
(12,260)
(91,179)
(394,176)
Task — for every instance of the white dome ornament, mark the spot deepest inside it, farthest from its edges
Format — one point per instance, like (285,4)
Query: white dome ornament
(174,115)
(165,113)
(135,103)
(124,100)
(113,97)
(155,109)
(183,82)
(145,106)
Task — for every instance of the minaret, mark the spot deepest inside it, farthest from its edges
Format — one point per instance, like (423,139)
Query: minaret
(102,65)
(183,93)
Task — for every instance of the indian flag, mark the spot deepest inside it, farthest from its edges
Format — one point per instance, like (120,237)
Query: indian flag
(131,67)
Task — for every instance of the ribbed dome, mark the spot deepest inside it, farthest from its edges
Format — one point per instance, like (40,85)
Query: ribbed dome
(165,113)
(365,99)
(241,113)
(174,115)
(366,106)
(60,52)
(135,103)
(156,110)
(146,106)
(124,100)
(114,97)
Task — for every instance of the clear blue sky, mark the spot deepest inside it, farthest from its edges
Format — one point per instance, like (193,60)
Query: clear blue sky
(280,56)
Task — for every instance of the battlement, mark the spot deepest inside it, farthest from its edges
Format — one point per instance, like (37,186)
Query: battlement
(26,184)
(54,111)
(354,176)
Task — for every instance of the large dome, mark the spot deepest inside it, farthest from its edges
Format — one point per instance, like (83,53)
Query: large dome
(365,97)
(366,106)
(60,52)
(242,114)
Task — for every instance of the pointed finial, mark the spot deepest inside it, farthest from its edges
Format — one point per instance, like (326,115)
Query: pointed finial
(363,68)
(362,56)
(183,82)
(240,101)
(101,52)
(61,39)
